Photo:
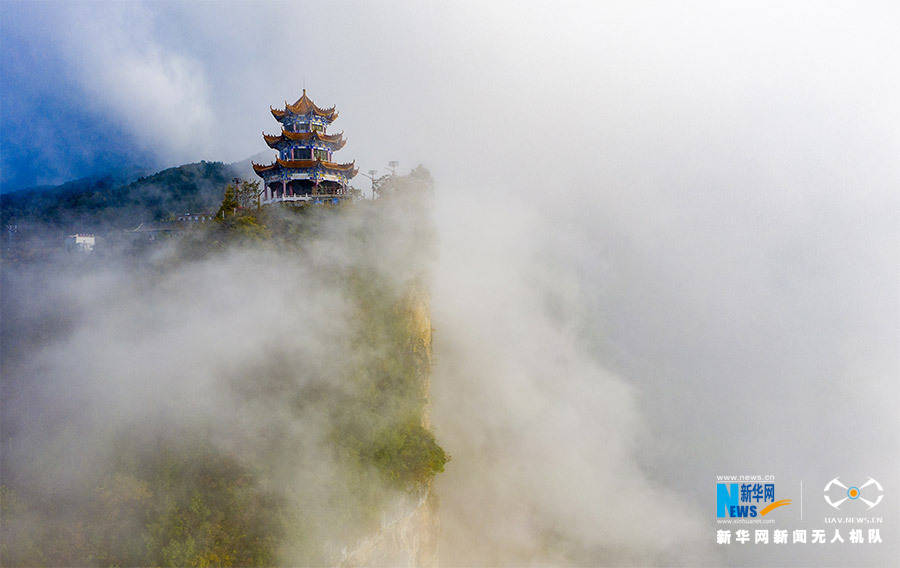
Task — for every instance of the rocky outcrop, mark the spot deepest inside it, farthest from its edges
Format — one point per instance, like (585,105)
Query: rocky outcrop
(408,536)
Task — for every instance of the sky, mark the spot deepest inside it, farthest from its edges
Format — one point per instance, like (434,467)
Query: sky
(699,199)
(160,84)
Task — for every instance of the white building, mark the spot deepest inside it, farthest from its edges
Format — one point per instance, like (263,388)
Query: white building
(80,243)
(195,217)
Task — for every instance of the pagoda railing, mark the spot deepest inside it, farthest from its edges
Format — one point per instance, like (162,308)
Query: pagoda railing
(304,198)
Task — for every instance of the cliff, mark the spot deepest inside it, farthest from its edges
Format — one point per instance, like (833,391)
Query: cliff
(409,537)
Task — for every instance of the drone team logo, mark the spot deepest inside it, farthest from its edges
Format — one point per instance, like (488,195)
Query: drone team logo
(837,493)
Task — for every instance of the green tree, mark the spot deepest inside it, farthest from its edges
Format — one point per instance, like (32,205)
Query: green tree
(248,194)
(236,218)
(229,204)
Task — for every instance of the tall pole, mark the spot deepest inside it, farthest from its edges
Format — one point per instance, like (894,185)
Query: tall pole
(372,177)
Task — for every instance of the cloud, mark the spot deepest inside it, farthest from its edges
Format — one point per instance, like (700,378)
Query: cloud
(544,438)
(160,95)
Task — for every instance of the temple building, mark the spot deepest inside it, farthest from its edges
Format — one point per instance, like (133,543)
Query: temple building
(304,170)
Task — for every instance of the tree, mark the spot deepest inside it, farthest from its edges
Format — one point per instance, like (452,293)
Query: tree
(248,194)
(229,204)
(239,195)
(235,215)
(419,180)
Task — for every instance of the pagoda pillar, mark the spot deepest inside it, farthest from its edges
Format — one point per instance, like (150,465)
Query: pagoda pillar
(283,188)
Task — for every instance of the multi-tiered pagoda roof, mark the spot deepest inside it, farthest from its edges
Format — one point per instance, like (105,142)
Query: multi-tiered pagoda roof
(304,169)
(335,141)
(303,106)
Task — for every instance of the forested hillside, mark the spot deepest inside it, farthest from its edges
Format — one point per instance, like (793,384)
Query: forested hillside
(109,202)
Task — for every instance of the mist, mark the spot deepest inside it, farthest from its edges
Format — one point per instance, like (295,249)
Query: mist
(124,369)
(667,243)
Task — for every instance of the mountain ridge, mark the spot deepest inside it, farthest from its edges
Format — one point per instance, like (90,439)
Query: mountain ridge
(117,200)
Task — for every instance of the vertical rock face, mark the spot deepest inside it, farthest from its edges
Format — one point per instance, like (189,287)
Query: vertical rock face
(408,535)
(418,318)
(409,540)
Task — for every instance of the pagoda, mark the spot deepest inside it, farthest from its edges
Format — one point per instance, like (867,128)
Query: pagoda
(304,171)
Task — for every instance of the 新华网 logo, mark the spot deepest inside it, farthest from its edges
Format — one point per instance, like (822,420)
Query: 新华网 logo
(836,493)
(743,500)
